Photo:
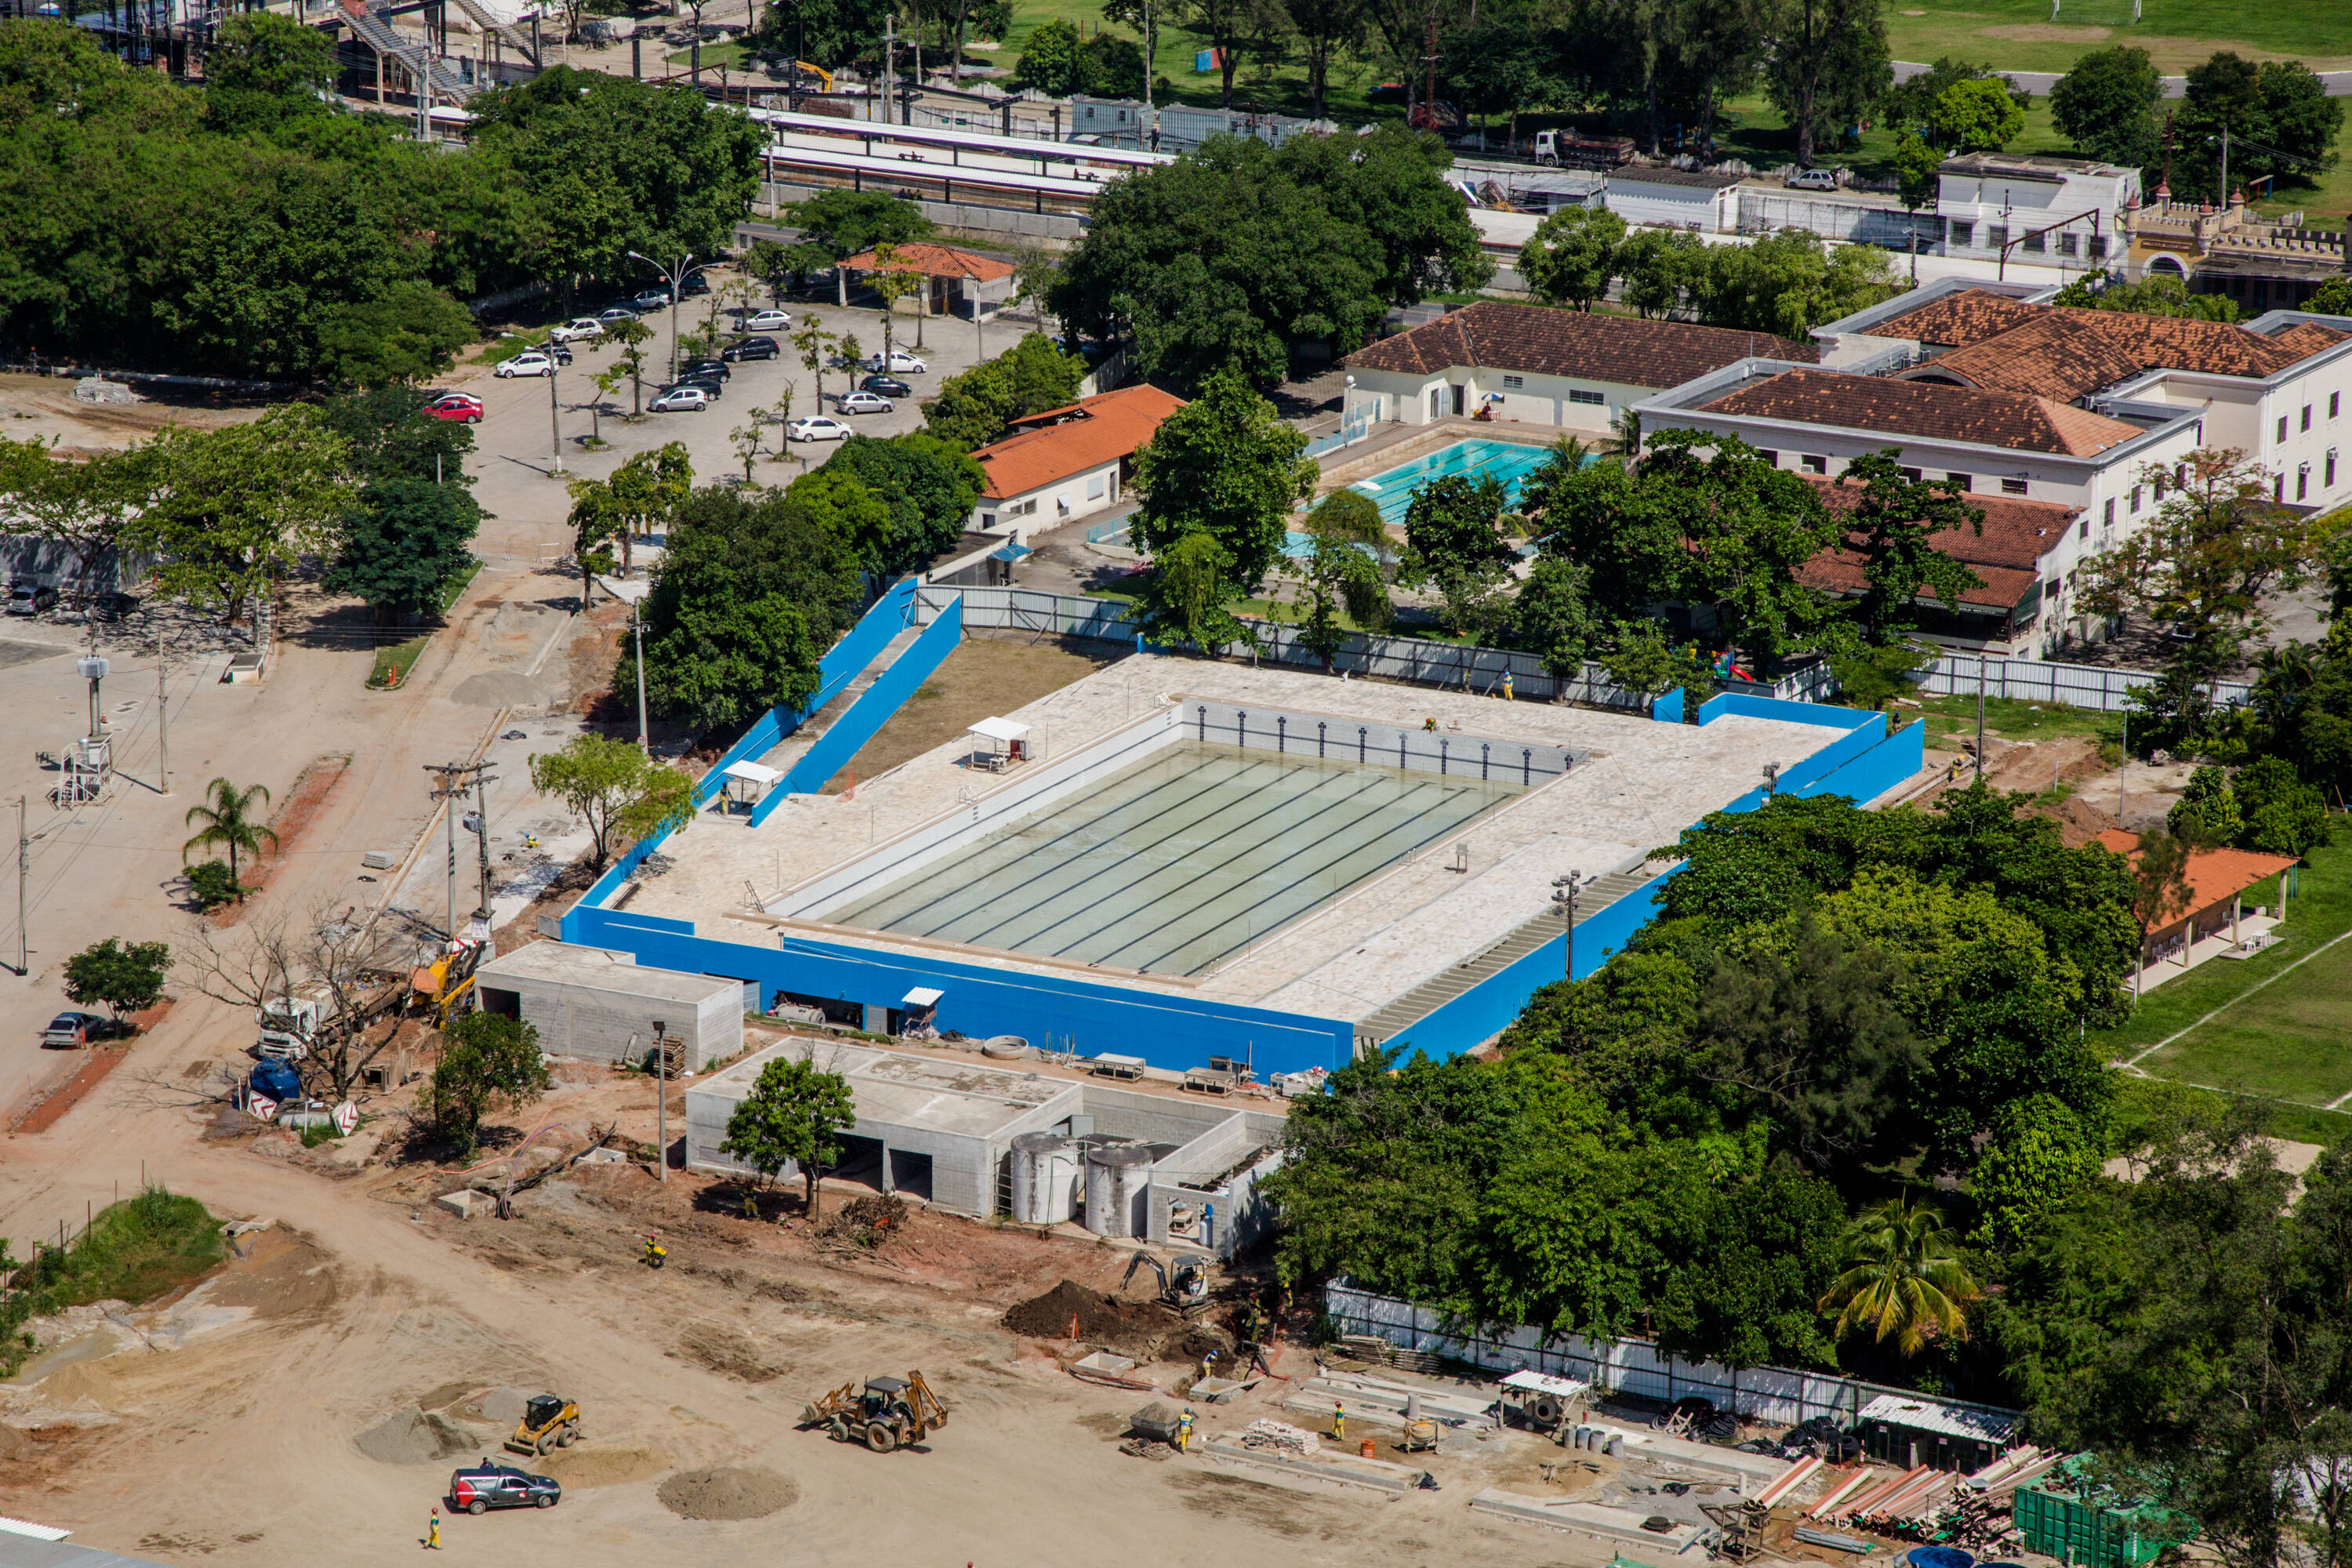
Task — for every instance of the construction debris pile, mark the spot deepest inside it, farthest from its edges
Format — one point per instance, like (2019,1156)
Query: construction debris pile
(864,1223)
(1145,1330)
(1279,1438)
(1926,1504)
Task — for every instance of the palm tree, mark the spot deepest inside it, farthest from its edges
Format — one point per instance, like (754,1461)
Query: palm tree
(228,821)
(1902,1276)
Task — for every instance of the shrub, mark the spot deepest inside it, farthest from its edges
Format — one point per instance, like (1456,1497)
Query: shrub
(213,885)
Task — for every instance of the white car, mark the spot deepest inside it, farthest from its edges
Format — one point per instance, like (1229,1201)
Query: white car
(579,327)
(900,365)
(816,428)
(681,400)
(767,322)
(863,402)
(531,363)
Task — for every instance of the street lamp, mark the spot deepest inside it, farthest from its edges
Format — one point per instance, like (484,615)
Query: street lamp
(554,415)
(1565,890)
(677,276)
(635,593)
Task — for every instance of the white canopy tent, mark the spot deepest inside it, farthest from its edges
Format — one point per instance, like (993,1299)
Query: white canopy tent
(1008,741)
(747,782)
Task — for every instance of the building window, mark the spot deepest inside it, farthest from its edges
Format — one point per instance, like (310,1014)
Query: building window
(1812,464)
(2301,481)
(2159,490)
(2084,531)
(2278,487)
(2108,518)
(2098,247)
(2282,428)
(1436,402)
(1577,394)
(2068,244)
(2035,243)
(2330,481)
(1996,236)
(1094,487)
(1911,474)
(2012,487)
(987,520)
(1962,481)
(2334,401)
(1963,235)
(2306,416)
(1515,383)
(2135,501)
(1771,460)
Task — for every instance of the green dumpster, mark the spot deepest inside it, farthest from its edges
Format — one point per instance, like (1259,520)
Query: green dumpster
(2068,1516)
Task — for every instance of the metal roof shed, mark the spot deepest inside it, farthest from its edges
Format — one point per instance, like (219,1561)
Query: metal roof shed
(1912,1430)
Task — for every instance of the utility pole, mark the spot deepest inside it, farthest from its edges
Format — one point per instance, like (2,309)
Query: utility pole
(23,871)
(638,626)
(1981,685)
(163,719)
(452,788)
(555,416)
(661,1104)
(482,782)
(1566,891)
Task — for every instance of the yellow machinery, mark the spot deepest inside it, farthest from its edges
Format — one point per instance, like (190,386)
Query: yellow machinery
(888,1413)
(443,989)
(549,1421)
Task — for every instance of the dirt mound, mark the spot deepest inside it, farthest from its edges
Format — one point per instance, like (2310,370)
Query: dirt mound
(728,1491)
(412,1437)
(731,1350)
(14,1443)
(865,1222)
(611,1464)
(81,1386)
(1144,1330)
(500,1406)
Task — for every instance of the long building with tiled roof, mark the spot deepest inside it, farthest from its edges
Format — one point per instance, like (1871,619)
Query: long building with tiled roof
(1541,365)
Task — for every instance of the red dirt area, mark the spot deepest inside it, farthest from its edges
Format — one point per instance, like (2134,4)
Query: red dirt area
(297,812)
(49,1108)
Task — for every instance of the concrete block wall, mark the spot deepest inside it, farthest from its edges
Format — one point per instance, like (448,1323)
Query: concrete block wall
(1152,1118)
(605,1026)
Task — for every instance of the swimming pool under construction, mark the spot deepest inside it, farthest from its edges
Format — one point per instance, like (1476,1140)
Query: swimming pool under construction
(1201,858)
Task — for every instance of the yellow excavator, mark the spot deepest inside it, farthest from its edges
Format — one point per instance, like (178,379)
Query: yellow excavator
(888,1413)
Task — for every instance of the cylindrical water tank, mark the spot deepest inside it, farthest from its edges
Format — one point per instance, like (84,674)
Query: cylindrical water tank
(1044,1171)
(1118,1176)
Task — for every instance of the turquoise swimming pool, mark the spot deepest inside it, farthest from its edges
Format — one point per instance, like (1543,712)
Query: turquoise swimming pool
(1508,461)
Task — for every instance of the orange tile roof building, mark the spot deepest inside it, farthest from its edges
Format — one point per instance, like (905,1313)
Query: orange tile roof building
(2212,906)
(956,281)
(1066,463)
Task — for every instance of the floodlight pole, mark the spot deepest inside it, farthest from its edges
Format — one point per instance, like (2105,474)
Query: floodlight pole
(1566,891)
(638,626)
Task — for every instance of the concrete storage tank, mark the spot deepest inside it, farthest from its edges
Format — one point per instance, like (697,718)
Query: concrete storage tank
(1117,1177)
(1045,1178)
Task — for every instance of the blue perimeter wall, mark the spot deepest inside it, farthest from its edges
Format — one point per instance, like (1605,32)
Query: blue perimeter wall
(1092,1017)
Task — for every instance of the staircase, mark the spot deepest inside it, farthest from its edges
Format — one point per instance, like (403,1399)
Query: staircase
(375,32)
(515,38)
(1446,984)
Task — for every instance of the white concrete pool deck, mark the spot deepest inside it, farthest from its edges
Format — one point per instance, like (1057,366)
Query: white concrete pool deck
(1642,784)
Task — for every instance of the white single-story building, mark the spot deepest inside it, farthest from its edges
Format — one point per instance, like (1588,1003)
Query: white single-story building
(1068,462)
(603,1005)
(1675,198)
(1534,364)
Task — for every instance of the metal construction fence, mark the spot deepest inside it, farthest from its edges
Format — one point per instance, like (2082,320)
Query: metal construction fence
(1415,660)
(2040,680)
(1631,1367)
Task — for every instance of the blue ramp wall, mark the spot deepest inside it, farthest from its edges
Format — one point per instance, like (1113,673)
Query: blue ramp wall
(872,709)
(893,613)
(1167,1031)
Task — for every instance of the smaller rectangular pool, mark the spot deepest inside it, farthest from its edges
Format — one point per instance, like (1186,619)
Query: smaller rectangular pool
(1508,461)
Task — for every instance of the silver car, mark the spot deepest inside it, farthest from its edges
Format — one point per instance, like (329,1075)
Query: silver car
(863,402)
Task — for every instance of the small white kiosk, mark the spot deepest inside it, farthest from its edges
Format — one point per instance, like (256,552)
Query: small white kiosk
(746,783)
(1007,744)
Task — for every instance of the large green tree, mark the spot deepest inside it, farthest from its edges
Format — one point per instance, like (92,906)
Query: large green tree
(2106,105)
(1891,527)
(1228,466)
(1572,255)
(794,1115)
(2281,121)
(978,405)
(929,485)
(1829,65)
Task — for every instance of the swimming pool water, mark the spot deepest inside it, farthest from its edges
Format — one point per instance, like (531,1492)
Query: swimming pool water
(1508,461)
(1180,861)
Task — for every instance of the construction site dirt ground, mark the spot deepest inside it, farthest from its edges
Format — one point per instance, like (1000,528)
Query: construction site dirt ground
(236,1423)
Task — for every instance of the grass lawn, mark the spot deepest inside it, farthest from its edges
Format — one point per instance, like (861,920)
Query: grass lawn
(134,1251)
(2284,1039)
(2013,718)
(2018,35)
(393,663)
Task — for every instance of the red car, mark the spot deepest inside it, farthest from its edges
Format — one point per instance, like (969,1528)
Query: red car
(463,407)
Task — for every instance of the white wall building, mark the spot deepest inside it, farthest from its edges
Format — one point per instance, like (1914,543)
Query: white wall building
(1534,364)
(2274,388)
(1996,443)
(2044,211)
(1067,463)
(1675,198)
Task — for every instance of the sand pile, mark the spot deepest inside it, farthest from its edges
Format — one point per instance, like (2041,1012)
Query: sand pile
(611,1464)
(1144,1330)
(414,1436)
(728,1491)
(81,1386)
(500,1406)
(729,1350)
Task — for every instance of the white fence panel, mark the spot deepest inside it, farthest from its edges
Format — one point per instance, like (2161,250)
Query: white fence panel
(1629,1367)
